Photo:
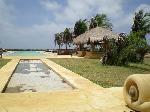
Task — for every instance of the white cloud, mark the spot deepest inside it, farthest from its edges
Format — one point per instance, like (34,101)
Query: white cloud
(77,9)
(113,8)
(145,7)
(50,5)
(5,15)
(74,10)
(35,36)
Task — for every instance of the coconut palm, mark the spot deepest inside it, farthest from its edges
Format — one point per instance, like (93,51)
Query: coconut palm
(100,20)
(67,37)
(141,23)
(80,27)
(58,40)
(137,37)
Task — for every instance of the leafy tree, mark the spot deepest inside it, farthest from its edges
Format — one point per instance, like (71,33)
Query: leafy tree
(140,28)
(124,50)
(138,47)
(141,23)
(134,46)
(100,20)
(115,55)
(80,27)
(67,37)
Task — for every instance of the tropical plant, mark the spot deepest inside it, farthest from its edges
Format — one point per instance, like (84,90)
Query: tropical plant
(134,46)
(100,20)
(58,40)
(140,28)
(67,37)
(124,50)
(115,55)
(138,47)
(80,27)
(141,23)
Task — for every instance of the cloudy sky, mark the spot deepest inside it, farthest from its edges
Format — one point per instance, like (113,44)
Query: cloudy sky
(33,23)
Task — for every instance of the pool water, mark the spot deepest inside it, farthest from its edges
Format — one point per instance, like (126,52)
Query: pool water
(35,76)
(26,53)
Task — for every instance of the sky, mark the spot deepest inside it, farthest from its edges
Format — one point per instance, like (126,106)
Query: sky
(32,24)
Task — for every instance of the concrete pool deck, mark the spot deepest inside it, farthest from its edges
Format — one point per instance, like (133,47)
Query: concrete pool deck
(87,97)
(35,76)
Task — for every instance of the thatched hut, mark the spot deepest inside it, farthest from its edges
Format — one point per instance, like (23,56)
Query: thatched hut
(93,38)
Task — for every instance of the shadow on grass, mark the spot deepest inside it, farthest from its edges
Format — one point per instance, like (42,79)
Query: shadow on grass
(146,64)
(139,68)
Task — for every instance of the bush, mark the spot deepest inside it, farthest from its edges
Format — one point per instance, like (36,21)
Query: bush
(138,47)
(126,49)
(115,55)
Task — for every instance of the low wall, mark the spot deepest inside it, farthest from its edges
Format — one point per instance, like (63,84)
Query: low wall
(81,53)
(93,55)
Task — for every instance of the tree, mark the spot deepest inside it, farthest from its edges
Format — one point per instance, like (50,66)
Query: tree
(141,23)
(58,40)
(115,53)
(134,46)
(126,49)
(67,37)
(140,28)
(80,27)
(100,20)
(138,47)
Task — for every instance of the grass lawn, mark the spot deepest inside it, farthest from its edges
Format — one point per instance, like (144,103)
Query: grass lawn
(106,76)
(3,62)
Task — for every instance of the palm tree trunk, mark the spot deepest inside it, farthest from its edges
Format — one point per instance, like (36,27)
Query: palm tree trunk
(66,47)
(59,50)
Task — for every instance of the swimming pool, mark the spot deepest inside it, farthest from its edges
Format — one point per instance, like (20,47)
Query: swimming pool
(26,53)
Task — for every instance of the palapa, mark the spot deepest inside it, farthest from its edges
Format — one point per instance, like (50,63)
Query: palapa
(94,35)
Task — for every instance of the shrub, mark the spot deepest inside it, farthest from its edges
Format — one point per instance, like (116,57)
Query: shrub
(138,47)
(126,49)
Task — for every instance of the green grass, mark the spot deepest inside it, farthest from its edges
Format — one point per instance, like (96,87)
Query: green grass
(106,76)
(3,62)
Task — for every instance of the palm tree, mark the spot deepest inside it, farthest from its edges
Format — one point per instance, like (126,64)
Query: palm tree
(100,20)
(80,27)
(67,37)
(141,23)
(58,40)
(140,28)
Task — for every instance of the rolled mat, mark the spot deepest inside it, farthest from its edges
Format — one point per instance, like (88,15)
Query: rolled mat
(136,92)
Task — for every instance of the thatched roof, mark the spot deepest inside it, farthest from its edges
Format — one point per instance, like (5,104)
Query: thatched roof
(95,34)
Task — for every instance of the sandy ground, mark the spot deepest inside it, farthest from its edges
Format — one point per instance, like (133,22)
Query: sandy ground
(87,97)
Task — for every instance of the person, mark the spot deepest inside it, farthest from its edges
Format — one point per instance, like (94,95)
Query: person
(71,54)
(1,52)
